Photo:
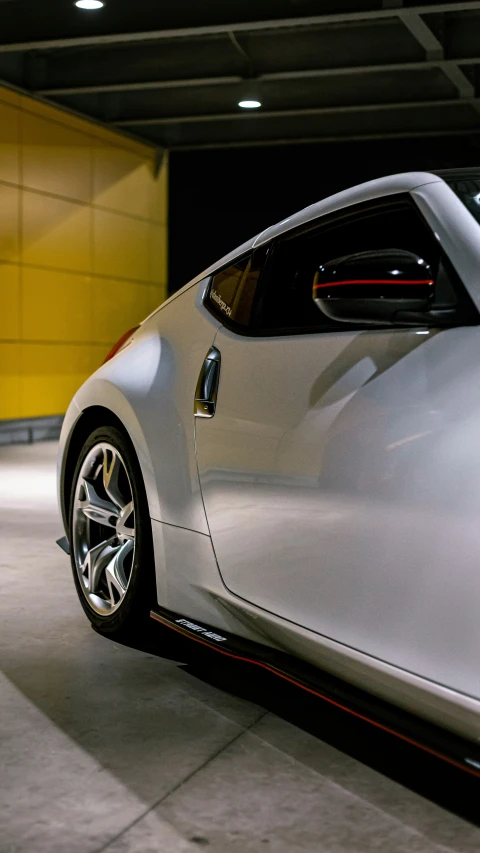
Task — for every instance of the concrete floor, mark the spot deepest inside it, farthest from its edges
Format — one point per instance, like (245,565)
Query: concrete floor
(110,748)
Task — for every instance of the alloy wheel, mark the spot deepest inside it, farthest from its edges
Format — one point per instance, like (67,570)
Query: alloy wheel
(103,528)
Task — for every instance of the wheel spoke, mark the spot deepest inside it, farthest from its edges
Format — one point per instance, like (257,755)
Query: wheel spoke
(115,573)
(125,523)
(96,560)
(95,508)
(112,468)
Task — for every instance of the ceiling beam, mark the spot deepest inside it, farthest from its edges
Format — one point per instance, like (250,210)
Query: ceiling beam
(305,140)
(143,87)
(423,35)
(242,26)
(434,50)
(308,111)
(464,86)
(309,73)
(346,70)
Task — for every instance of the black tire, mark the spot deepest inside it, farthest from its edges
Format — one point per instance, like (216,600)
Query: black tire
(133,612)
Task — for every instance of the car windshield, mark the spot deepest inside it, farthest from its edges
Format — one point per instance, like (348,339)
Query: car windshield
(466,184)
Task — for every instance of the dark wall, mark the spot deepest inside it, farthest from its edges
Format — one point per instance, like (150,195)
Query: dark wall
(220,198)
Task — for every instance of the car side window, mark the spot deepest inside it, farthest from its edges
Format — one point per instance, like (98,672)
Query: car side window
(285,305)
(232,290)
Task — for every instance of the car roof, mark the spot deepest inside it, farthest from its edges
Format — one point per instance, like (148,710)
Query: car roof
(354,195)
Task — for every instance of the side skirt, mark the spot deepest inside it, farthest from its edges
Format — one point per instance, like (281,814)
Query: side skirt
(382,715)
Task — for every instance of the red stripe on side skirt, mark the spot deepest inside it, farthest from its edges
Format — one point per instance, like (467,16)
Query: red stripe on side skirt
(291,680)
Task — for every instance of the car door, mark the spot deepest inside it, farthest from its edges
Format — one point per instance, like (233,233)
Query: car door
(331,462)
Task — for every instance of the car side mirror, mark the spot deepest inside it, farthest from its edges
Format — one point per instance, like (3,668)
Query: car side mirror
(375,287)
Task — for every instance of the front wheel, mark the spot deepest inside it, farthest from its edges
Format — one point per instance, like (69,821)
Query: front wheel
(110,534)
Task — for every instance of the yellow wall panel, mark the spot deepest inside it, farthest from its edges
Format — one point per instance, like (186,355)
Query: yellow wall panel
(9,96)
(10,301)
(98,353)
(121,246)
(113,137)
(154,295)
(85,260)
(157,253)
(56,233)
(56,159)
(51,373)
(9,223)
(122,180)
(55,115)
(9,380)
(159,194)
(114,302)
(57,306)
(9,144)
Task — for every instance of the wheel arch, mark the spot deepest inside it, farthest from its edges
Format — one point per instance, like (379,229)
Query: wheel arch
(88,420)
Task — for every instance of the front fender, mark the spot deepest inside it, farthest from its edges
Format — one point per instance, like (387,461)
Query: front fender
(150,387)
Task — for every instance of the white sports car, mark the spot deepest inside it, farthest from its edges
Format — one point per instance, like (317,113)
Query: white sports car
(283,461)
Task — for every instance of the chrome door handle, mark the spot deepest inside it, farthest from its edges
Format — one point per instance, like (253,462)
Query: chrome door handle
(207,385)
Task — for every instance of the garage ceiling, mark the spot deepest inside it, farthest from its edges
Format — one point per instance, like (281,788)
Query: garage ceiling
(323,69)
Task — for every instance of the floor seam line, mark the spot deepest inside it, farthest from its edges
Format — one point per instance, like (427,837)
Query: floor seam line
(176,787)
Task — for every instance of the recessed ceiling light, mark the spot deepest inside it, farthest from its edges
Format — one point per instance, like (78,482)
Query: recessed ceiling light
(249,105)
(89,4)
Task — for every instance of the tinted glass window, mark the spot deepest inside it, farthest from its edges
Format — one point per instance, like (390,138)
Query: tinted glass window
(286,302)
(232,291)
